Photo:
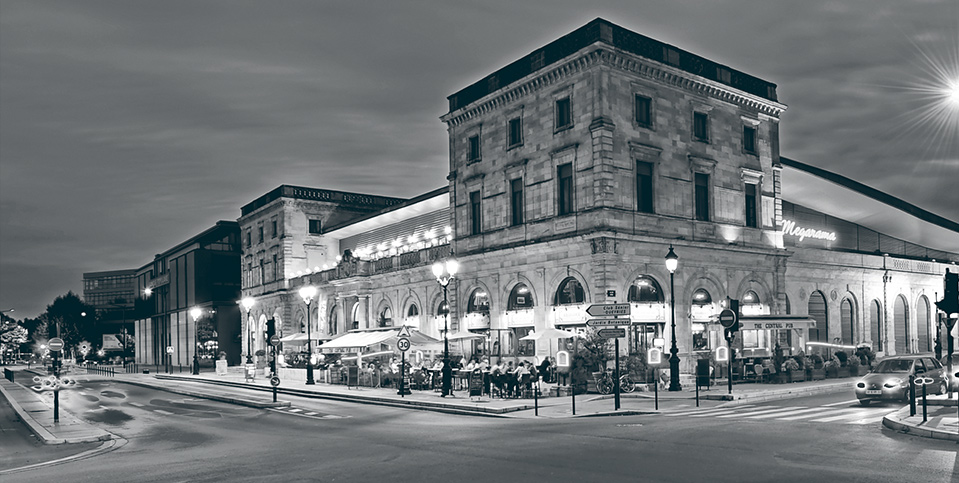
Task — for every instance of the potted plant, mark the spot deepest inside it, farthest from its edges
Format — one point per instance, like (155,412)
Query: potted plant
(866,356)
(855,367)
(793,370)
(815,368)
(843,358)
(831,367)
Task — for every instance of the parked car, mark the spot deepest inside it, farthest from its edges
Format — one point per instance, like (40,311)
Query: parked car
(953,378)
(889,379)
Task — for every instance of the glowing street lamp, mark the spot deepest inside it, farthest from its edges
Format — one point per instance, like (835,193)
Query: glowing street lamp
(672,262)
(247,304)
(308,292)
(444,274)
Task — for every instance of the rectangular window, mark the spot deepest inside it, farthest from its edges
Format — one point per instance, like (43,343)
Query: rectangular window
(701,126)
(749,139)
(644,187)
(249,238)
(276,269)
(474,148)
(259,232)
(702,196)
(273,232)
(563,115)
(515,132)
(476,214)
(516,201)
(644,111)
(565,176)
(751,218)
(316,227)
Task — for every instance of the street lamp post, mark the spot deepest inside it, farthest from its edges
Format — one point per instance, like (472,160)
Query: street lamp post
(672,261)
(444,274)
(196,313)
(247,304)
(308,292)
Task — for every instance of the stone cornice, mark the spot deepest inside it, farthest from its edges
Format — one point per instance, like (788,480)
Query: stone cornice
(604,54)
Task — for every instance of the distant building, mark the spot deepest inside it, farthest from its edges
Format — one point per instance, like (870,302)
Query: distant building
(202,271)
(113,294)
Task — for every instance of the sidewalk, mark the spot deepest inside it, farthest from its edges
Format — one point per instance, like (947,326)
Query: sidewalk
(36,411)
(942,419)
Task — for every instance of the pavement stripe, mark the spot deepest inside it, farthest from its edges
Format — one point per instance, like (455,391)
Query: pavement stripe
(706,411)
(753,413)
(713,413)
(311,413)
(295,410)
(168,413)
(814,413)
(134,403)
(853,401)
(859,413)
(874,419)
(791,411)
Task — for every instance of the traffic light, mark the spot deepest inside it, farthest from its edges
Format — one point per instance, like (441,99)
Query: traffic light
(950,298)
(270,328)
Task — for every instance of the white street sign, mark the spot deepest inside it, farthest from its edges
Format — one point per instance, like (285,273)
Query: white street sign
(598,322)
(607,310)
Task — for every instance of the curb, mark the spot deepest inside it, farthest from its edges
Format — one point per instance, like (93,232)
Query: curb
(44,434)
(894,422)
(253,403)
(782,393)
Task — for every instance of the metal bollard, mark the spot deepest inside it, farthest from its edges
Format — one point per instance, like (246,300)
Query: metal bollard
(912,395)
(924,402)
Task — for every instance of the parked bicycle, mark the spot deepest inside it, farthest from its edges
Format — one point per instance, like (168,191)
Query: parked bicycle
(604,384)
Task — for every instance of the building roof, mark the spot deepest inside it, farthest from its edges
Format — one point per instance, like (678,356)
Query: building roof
(304,193)
(603,31)
(844,198)
(424,203)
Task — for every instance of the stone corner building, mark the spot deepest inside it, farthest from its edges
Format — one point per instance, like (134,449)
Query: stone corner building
(572,171)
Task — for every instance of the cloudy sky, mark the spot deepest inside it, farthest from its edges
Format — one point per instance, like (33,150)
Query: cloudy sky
(129,126)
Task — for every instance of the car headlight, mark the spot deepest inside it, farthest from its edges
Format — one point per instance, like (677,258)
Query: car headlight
(861,385)
(892,383)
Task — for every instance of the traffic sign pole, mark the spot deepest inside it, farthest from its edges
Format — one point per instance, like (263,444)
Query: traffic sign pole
(616,379)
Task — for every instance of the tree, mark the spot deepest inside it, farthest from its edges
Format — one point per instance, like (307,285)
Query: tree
(12,334)
(73,319)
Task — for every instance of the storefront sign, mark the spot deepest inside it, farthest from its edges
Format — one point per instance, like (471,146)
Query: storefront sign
(790,228)
(770,325)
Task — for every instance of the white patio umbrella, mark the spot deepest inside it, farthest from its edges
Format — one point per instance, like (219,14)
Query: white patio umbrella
(549,334)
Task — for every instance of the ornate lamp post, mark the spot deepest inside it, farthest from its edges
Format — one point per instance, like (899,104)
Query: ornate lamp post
(196,313)
(444,274)
(308,292)
(247,304)
(672,261)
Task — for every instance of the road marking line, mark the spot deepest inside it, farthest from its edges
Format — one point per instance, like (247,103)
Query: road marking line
(820,410)
(841,403)
(775,415)
(134,403)
(311,414)
(294,410)
(875,419)
(167,413)
(753,413)
(706,411)
(856,415)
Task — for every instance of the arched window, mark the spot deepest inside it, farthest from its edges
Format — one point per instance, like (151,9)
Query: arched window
(355,316)
(848,321)
(789,309)
(413,311)
(875,324)
(478,302)
(701,297)
(520,298)
(817,312)
(386,317)
(331,322)
(900,322)
(922,324)
(443,308)
(570,292)
(645,290)
(750,298)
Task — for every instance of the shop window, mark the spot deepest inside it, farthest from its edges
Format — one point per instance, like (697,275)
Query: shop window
(515,127)
(563,114)
(565,188)
(848,321)
(516,201)
(520,298)
(645,290)
(570,292)
(644,187)
(478,302)
(524,348)
(643,108)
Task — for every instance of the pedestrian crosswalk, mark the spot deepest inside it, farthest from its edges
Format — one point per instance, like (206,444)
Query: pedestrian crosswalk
(831,413)
(306,413)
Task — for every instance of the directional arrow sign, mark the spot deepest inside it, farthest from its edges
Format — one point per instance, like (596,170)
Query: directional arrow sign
(611,333)
(596,322)
(607,310)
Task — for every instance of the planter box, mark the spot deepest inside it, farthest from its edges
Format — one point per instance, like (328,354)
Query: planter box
(843,372)
(797,376)
(862,370)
